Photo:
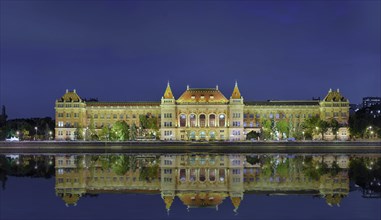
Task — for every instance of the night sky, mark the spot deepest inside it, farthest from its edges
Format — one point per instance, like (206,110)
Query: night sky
(128,50)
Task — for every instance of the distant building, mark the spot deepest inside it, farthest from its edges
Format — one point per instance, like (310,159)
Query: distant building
(198,114)
(372,106)
(370,101)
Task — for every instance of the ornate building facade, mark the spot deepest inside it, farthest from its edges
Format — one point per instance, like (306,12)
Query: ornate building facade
(198,114)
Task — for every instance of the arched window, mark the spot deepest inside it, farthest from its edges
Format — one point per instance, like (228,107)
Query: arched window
(212,120)
(202,174)
(202,120)
(222,175)
(212,174)
(182,175)
(212,135)
(192,120)
(221,120)
(183,120)
(192,135)
(202,135)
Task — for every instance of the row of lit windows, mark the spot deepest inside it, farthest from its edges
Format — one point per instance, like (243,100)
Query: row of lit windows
(336,105)
(167,133)
(68,105)
(115,116)
(68,115)
(60,133)
(336,114)
(236,123)
(278,115)
(167,171)
(167,115)
(167,124)
(235,132)
(67,124)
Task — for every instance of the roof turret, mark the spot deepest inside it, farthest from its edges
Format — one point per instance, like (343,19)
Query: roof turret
(168,92)
(70,96)
(334,96)
(236,202)
(236,93)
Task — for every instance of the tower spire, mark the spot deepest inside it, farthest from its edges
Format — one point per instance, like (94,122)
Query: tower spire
(168,92)
(236,93)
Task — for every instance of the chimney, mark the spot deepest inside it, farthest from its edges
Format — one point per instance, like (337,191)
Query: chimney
(216,87)
(67,90)
(74,91)
(187,87)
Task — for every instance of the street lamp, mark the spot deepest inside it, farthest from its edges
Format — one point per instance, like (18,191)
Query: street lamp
(50,135)
(35,136)
(303,136)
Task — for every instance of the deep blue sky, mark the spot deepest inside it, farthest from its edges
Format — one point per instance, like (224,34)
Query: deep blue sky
(128,50)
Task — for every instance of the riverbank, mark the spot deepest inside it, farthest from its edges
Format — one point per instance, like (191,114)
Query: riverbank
(182,147)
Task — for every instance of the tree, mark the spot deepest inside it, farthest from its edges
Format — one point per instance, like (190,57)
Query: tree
(121,131)
(282,127)
(323,127)
(252,135)
(133,132)
(309,126)
(105,133)
(78,133)
(266,129)
(334,125)
(93,133)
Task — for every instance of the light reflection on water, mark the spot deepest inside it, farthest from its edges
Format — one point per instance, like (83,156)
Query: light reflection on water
(202,180)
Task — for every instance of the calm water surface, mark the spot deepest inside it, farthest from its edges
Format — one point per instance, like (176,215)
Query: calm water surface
(190,186)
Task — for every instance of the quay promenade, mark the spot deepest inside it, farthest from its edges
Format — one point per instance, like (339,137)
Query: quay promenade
(181,147)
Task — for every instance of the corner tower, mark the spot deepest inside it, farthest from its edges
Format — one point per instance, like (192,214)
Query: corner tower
(168,115)
(236,115)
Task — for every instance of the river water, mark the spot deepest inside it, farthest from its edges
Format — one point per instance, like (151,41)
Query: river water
(190,186)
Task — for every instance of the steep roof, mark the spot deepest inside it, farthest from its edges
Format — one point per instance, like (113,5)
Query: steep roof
(123,103)
(202,199)
(291,102)
(334,96)
(168,92)
(70,96)
(202,95)
(236,93)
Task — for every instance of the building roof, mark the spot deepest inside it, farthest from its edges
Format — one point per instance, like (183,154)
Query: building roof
(236,93)
(202,95)
(70,96)
(168,92)
(202,199)
(290,102)
(334,96)
(123,103)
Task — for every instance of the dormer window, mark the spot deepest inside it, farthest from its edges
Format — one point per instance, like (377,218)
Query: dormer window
(193,97)
(202,96)
(212,97)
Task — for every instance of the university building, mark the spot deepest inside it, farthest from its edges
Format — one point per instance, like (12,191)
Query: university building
(198,114)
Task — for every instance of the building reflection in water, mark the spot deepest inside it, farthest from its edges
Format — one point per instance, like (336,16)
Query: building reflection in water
(203,180)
